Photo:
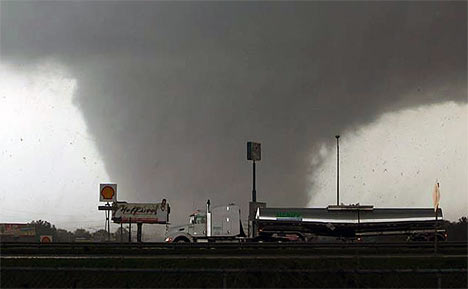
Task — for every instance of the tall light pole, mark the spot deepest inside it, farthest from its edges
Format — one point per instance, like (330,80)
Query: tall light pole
(337,170)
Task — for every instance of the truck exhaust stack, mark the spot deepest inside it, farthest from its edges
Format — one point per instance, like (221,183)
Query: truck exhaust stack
(208,219)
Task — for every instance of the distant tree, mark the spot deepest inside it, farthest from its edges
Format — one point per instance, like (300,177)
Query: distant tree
(64,236)
(118,233)
(44,228)
(100,236)
(82,234)
(457,231)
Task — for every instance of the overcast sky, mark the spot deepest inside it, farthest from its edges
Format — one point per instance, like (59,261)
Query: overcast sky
(161,98)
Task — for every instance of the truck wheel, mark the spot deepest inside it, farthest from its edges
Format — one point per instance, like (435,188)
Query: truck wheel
(263,239)
(182,240)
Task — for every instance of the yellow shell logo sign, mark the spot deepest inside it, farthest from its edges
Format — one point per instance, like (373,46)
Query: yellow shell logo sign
(45,239)
(107,192)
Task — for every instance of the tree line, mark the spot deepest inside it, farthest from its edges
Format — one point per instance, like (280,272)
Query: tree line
(457,231)
(61,235)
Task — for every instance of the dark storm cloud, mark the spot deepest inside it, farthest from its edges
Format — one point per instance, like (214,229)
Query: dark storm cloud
(172,91)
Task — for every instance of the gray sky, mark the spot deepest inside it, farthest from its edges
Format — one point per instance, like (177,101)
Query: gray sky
(165,95)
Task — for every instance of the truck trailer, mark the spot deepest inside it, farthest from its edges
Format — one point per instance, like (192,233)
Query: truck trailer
(352,222)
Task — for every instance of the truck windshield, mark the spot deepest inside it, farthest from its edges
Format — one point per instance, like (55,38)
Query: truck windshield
(200,219)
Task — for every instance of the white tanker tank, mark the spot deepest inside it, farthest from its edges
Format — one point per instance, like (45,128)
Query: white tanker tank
(352,221)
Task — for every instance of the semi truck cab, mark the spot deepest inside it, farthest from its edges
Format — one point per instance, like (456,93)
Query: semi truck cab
(213,224)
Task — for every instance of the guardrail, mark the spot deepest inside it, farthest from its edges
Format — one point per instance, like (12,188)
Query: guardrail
(233,245)
(236,270)
(245,249)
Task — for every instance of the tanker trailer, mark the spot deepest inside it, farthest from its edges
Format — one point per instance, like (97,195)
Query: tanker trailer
(348,222)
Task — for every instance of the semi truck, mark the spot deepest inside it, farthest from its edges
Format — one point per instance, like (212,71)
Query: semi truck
(221,223)
(340,222)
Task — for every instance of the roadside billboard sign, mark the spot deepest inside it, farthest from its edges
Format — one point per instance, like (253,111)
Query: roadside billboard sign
(17,230)
(152,213)
(108,192)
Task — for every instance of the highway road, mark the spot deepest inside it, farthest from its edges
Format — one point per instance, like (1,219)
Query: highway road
(317,265)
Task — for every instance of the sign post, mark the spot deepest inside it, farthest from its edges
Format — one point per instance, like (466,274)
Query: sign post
(436,200)
(121,232)
(139,229)
(123,212)
(337,170)
(107,193)
(130,230)
(254,153)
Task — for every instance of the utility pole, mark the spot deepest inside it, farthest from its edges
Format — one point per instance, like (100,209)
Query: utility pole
(337,170)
